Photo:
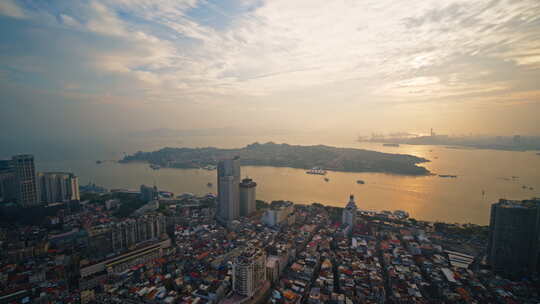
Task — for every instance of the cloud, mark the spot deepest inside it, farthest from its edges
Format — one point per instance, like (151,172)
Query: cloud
(9,8)
(283,46)
(103,21)
(306,56)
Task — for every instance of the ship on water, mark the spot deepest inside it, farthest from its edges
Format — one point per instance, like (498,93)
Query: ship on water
(360,182)
(391,145)
(316,170)
(209,167)
(447,176)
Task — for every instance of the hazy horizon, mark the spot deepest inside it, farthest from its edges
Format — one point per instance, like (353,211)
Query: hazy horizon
(90,73)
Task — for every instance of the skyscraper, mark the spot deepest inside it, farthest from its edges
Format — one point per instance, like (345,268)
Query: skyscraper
(8,189)
(228,175)
(514,231)
(249,271)
(25,178)
(247,196)
(55,187)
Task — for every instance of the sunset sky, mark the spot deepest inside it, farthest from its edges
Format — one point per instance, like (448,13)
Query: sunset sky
(96,68)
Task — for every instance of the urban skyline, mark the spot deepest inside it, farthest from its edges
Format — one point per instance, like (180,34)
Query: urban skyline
(270,152)
(285,252)
(20,182)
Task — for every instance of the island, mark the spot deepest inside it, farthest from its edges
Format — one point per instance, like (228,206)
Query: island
(285,155)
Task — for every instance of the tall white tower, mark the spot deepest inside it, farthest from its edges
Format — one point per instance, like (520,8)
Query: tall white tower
(26,179)
(249,271)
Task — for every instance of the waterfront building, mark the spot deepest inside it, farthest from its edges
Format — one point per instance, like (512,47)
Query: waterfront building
(247,197)
(514,232)
(149,193)
(249,271)
(348,216)
(25,179)
(228,178)
(56,187)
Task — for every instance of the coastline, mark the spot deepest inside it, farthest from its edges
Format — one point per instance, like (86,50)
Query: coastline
(287,156)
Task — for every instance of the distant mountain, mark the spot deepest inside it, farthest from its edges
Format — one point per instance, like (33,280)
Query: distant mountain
(165,132)
(284,155)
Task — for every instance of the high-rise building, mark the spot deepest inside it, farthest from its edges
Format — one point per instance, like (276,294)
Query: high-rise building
(247,196)
(249,271)
(8,190)
(25,178)
(272,268)
(149,193)
(56,187)
(348,216)
(514,235)
(228,175)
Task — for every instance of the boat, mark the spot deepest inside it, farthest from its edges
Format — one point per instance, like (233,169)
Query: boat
(316,170)
(209,184)
(531,188)
(400,214)
(360,182)
(98,162)
(326,179)
(155,167)
(391,145)
(447,176)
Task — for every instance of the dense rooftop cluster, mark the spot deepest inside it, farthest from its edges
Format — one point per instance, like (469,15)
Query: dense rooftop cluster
(176,252)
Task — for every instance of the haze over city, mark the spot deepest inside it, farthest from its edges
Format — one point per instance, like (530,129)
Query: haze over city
(270,151)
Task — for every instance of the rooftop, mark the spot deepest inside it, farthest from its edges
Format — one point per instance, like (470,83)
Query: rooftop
(249,255)
(248,183)
(532,203)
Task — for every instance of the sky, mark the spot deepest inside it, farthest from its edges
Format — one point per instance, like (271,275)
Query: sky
(86,70)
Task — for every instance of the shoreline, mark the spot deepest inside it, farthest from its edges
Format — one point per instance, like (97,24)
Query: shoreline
(457,146)
(289,156)
(429,173)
